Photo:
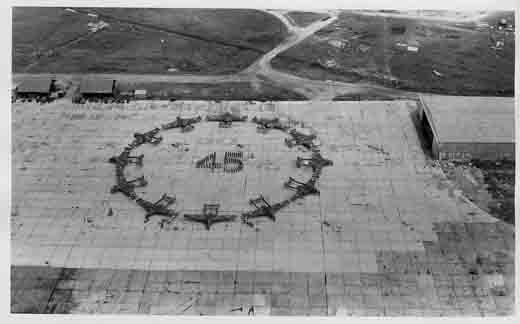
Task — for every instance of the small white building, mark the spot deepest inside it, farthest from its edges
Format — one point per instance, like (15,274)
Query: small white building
(140,94)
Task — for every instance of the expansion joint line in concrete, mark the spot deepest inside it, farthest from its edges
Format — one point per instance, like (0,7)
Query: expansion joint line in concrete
(323,256)
(55,286)
(233,162)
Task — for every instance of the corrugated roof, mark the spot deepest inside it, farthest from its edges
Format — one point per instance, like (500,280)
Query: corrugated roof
(471,119)
(96,86)
(40,85)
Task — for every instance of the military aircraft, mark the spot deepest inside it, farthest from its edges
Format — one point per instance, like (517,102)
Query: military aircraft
(160,207)
(298,138)
(127,187)
(125,158)
(148,137)
(316,162)
(185,124)
(264,124)
(302,188)
(209,216)
(226,119)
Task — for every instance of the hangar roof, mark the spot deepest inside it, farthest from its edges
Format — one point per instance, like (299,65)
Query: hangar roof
(94,85)
(458,119)
(36,85)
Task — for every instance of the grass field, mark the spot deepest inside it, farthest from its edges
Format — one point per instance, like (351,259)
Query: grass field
(359,47)
(305,18)
(141,40)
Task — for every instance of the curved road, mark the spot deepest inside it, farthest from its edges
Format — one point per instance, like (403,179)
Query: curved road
(312,89)
(296,36)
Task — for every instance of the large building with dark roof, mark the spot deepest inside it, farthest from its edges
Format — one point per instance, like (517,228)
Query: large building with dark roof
(465,128)
(33,87)
(98,88)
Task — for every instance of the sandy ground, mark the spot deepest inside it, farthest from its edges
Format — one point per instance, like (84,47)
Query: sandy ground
(386,236)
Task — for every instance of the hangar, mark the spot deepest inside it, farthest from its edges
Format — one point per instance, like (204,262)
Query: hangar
(35,87)
(97,88)
(466,128)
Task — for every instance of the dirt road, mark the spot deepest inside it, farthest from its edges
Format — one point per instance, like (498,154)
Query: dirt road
(296,35)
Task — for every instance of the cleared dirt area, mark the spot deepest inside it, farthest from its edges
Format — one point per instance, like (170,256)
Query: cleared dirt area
(305,18)
(141,40)
(409,53)
(256,90)
(368,95)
